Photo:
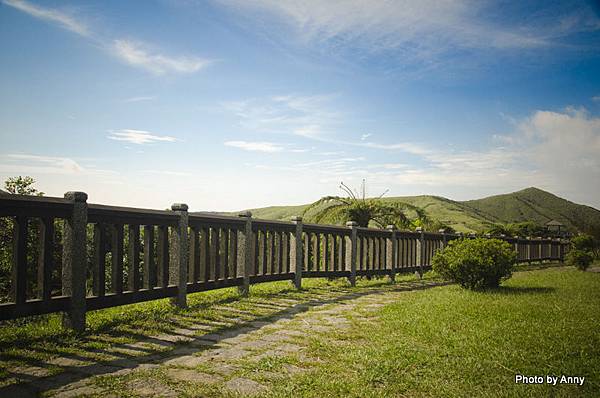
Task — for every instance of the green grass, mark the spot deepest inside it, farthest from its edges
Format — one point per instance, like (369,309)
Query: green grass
(443,341)
(447,341)
(34,341)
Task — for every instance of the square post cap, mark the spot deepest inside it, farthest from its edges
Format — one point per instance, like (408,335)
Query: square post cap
(441,231)
(179,207)
(351,224)
(245,214)
(296,219)
(419,229)
(76,196)
(391,227)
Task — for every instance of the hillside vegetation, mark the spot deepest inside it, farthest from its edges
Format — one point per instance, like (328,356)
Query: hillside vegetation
(531,204)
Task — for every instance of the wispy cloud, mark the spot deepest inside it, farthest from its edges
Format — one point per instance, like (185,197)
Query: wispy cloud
(23,163)
(132,52)
(422,35)
(168,173)
(61,18)
(137,54)
(302,115)
(267,147)
(138,137)
(140,98)
(596,98)
(365,136)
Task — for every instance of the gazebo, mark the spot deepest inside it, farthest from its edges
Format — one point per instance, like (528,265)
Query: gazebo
(555,227)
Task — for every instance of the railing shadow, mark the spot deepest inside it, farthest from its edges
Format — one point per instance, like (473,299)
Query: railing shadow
(172,342)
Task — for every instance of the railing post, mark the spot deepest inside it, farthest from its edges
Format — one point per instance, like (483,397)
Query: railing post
(444,237)
(529,244)
(420,249)
(74,261)
(353,248)
(178,266)
(297,252)
(391,251)
(244,253)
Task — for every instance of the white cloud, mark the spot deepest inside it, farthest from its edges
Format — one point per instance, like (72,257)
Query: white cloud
(168,173)
(131,52)
(138,137)
(51,164)
(23,163)
(596,98)
(60,18)
(136,54)
(365,136)
(267,147)
(305,116)
(422,35)
(141,98)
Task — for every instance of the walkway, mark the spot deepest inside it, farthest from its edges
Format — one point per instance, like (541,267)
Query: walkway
(244,357)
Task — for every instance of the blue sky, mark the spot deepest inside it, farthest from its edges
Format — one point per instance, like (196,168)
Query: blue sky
(232,104)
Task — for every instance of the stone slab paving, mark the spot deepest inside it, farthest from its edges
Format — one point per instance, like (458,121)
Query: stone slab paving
(242,361)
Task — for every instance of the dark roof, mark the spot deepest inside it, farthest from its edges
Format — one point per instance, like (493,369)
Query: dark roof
(3,193)
(554,223)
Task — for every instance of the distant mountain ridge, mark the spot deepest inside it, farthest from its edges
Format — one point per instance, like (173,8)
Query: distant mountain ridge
(530,204)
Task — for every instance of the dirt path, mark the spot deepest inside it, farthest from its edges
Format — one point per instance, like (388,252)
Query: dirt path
(242,360)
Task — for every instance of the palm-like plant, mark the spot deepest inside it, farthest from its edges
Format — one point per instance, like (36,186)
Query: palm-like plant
(363,210)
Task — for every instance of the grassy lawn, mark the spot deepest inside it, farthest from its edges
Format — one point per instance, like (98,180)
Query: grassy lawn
(447,341)
(34,341)
(443,341)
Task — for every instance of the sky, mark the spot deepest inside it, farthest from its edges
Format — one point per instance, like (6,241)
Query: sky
(235,104)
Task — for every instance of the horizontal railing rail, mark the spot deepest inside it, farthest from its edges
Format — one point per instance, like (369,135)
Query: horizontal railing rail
(70,256)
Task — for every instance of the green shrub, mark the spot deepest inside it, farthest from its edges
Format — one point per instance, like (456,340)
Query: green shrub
(476,263)
(581,259)
(583,242)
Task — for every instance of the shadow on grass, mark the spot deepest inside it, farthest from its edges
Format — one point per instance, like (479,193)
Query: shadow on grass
(36,370)
(516,290)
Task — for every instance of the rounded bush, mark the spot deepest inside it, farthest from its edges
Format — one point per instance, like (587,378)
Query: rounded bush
(581,259)
(476,263)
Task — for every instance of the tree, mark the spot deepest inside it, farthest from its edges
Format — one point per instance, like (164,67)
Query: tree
(357,207)
(17,186)
(22,186)
(526,228)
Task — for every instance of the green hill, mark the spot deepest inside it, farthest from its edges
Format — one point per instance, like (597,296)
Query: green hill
(531,204)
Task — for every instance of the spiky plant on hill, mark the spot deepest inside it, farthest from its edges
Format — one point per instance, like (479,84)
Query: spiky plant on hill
(531,204)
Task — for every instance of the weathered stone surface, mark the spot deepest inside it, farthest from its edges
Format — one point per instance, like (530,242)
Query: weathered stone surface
(78,392)
(224,368)
(18,390)
(288,347)
(245,387)
(173,338)
(275,337)
(255,344)
(292,332)
(202,343)
(33,371)
(193,376)
(224,354)
(68,362)
(190,361)
(98,369)
(151,388)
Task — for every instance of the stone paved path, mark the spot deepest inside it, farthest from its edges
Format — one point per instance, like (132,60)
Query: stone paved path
(241,361)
